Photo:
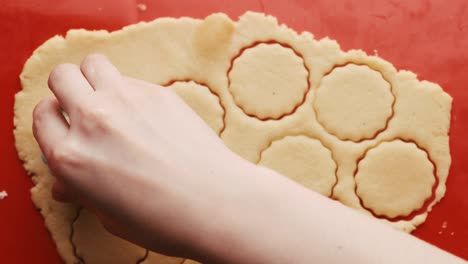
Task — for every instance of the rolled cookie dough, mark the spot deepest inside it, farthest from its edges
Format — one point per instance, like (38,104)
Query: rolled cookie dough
(272,95)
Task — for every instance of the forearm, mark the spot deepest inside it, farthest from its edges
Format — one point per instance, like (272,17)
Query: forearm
(281,222)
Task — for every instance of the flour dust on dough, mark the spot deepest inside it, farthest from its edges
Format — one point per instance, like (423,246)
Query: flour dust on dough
(270,93)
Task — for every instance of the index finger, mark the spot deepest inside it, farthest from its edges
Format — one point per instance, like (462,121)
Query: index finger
(69,86)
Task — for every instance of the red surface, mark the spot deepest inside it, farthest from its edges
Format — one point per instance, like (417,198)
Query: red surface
(429,37)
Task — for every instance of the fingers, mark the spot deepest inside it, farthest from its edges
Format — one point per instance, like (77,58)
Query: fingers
(69,86)
(49,125)
(100,72)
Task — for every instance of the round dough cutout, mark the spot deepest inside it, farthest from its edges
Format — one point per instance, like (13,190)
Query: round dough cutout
(268,81)
(394,179)
(354,102)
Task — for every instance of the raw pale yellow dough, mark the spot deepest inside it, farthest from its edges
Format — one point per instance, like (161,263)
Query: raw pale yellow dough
(285,85)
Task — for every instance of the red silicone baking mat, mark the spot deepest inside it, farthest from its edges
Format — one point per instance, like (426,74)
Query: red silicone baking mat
(429,37)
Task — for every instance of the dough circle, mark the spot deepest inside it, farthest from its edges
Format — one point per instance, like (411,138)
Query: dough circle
(268,81)
(394,179)
(354,102)
(304,160)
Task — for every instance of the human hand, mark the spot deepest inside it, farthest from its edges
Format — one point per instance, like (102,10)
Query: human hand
(136,155)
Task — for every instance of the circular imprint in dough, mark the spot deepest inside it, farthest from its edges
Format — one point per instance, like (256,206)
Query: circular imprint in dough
(394,179)
(304,160)
(200,98)
(268,81)
(354,102)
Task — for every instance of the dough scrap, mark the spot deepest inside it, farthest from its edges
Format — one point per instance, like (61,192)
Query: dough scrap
(394,174)
(203,51)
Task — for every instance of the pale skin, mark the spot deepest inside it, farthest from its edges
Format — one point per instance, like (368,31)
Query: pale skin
(155,174)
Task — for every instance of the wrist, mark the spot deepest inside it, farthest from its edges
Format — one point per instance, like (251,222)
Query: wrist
(247,226)
(220,237)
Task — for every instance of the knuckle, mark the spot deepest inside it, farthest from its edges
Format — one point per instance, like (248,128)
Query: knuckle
(94,118)
(59,71)
(93,114)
